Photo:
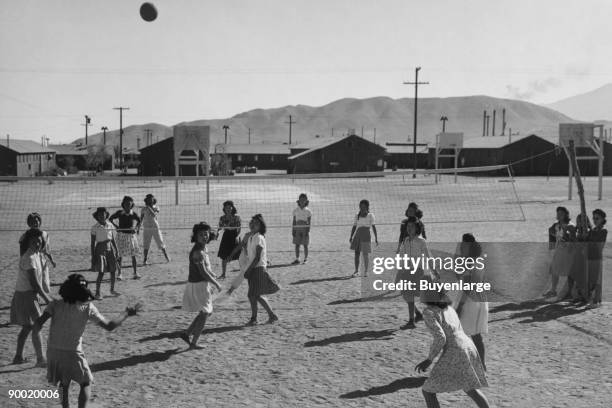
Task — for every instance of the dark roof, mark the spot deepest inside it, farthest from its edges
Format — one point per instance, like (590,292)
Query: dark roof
(254,148)
(26,146)
(323,142)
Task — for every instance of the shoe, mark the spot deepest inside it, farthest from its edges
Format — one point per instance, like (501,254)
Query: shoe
(119,277)
(305,261)
(115,293)
(409,325)
(185,338)
(20,360)
(355,274)
(136,276)
(296,262)
(145,263)
(168,259)
(273,319)
(252,322)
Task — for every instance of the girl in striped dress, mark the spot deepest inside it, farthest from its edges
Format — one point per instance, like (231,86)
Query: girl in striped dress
(127,228)
(197,296)
(260,282)
(361,239)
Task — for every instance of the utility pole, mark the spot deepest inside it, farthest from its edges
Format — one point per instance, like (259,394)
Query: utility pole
(290,123)
(121,109)
(488,117)
(493,127)
(484,123)
(104,129)
(443,119)
(503,122)
(225,129)
(249,135)
(510,134)
(86,124)
(416,84)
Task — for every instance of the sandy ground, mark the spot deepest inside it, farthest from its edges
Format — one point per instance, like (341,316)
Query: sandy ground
(331,346)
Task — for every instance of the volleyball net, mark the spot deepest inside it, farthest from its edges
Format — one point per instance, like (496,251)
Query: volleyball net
(474,194)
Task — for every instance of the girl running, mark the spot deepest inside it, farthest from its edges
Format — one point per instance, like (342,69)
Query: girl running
(25,308)
(127,241)
(414,246)
(361,239)
(560,235)
(472,306)
(150,228)
(302,217)
(260,282)
(69,317)
(459,366)
(197,296)
(34,221)
(103,249)
(230,224)
(596,242)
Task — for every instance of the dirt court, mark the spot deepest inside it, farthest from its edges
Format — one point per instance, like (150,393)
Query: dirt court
(331,347)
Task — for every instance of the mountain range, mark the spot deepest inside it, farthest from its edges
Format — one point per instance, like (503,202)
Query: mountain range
(591,106)
(383,119)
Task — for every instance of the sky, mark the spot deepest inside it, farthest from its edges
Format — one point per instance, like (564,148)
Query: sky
(205,59)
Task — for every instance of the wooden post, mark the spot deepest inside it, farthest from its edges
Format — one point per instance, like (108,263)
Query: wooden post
(176,190)
(576,171)
(207,190)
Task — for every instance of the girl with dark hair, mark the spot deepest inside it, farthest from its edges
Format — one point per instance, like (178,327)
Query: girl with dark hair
(34,221)
(103,250)
(197,296)
(459,366)
(69,317)
(360,238)
(25,307)
(472,306)
(127,228)
(150,228)
(302,217)
(413,246)
(560,236)
(230,224)
(260,282)
(413,210)
(596,242)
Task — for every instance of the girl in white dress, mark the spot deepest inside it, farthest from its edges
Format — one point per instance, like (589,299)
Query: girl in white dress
(471,306)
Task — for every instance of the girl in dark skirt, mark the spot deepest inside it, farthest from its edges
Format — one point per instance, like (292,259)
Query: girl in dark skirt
(596,242)
(25,308)
(69,317)
(34,221)
(260,282)
(230,223)
(361,239)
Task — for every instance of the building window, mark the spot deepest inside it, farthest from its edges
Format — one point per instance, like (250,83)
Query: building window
(255,158)
(239,157)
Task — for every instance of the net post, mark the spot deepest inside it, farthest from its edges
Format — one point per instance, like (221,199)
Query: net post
(207,191)
(176,191)
(456,163)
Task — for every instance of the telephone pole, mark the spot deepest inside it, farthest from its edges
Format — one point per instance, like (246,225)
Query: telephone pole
(290,123)
(87,124)
(416,84)
(121,109)
(249,135)
(104,129)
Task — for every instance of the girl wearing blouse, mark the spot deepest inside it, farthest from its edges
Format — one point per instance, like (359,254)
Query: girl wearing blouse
(414,246)
(596,242)
(127,227)
(34,221)
(560,236)
(150,228)
(230,224)
(361,238)
(197,296)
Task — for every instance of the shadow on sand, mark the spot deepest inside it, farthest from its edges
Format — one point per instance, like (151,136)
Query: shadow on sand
(155,285)
(176,334)
(334,278)
(382,296)
(153,357)
(397,385)
(542,314)
(368,335)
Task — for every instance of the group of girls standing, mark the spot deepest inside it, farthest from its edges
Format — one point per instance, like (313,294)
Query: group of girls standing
(577,254)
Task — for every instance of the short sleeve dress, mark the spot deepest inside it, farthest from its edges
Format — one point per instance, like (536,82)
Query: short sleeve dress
(231,227)
(260,282)
(197,296)
(362,239)
(459,366)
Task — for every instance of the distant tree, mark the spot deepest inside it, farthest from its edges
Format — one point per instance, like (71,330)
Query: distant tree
(96,157)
